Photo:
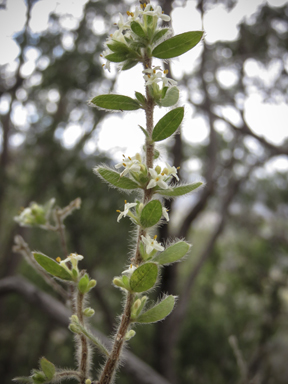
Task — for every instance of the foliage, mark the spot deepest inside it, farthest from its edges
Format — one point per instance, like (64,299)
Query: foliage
(240,288)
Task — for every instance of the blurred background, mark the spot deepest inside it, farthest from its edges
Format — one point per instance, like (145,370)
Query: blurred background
(231,323)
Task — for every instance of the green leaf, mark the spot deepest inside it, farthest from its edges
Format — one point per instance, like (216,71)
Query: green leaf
(117,57)
(158,312)
(114,178)
(117,46)
(137,29)
(179,191)
(151,214)
(177,45)
(116,102)
(171,97)
(141,98)
(143,130)
(83,284)
(129,64)
(126,282)
(144,277)
(48,368)
(23,380)
(173,253)
(168,124)
(51,266)
(159,34)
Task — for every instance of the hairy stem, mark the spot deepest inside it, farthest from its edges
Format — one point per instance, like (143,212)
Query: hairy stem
(83,363)
(112,362)
(60,229)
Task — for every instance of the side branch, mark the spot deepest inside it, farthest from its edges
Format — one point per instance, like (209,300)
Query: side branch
(140,372)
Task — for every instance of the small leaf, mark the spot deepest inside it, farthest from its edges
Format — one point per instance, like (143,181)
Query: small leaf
(116,102)
(129,64)
(141,98)
(114,178)
(52,266)
(48,368)
(171,97)
(144,277)
(116,57)
(137,29)
(117,46)
(159,34)
(83,284)
(177,45)
(126,282)
(168,124)
(23,380)
(173,253)
(179,191)
(158,312)
(151,214)
(143,130)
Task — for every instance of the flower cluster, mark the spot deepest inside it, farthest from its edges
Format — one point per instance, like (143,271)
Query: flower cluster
(156,75)
(137,169)
(35,215)
(139,31)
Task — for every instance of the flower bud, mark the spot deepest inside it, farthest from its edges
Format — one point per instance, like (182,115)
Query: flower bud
(92,284)
(129,335)
(165,171)
(158,169)
(73,328)
(88,312)
(118,282)
(88,381)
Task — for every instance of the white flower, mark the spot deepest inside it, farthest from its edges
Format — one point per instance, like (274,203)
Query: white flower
(151,76)
(104,54)
(130,164)
(167,82)
(171,171)
(121,24)
(157,179)
(116,36)
(73,258)
(127,207)
(156,12)
(165,213)
(133,16)
(151,244)
(129,271)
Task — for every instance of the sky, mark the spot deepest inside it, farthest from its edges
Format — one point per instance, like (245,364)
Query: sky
(260,116)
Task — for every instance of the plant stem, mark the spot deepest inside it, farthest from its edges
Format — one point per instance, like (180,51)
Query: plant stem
(60,229)
(112,362)
(84,348)
(149,127)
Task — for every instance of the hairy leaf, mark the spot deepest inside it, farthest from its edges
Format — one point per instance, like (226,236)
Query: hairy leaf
(159,34)
(48,368)
(144,277)
(115,179)
(168,124)
(116,102)
(171,97)
(179,191)
(177,45)
(158,312)
(151,214)
(137,29)
(173,253)
(51,266)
